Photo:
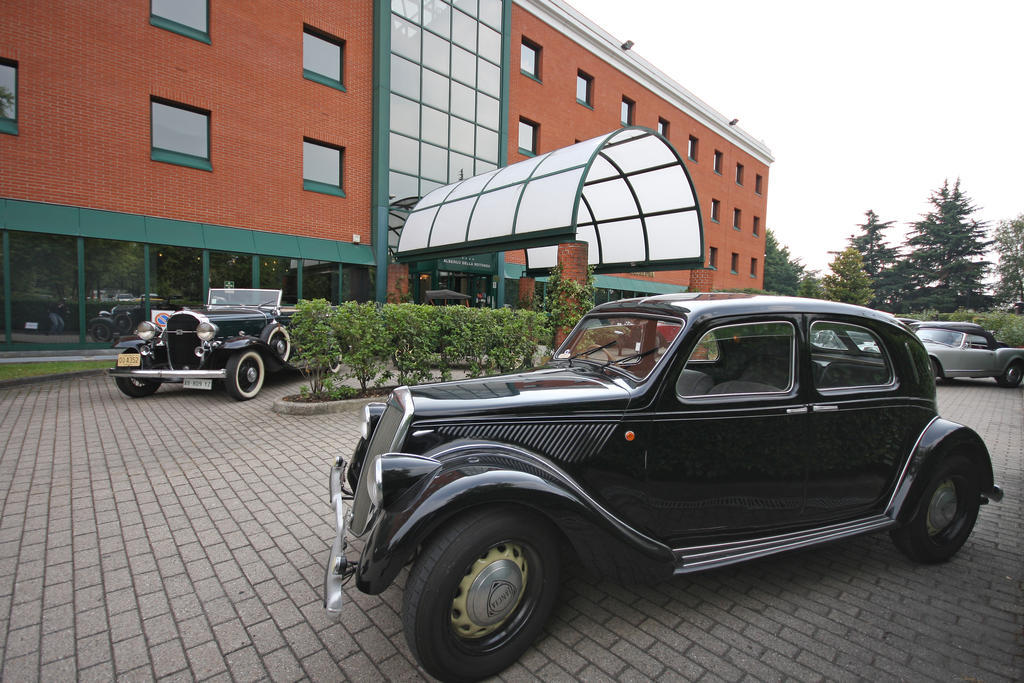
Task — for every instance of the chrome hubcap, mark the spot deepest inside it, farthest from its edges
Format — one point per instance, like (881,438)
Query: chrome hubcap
(490,591)
(250,374)
(942,508)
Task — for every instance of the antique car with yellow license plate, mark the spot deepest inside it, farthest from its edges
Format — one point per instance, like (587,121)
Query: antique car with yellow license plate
(668,435)
(236,339)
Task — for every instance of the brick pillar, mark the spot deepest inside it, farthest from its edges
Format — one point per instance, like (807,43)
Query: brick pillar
(572,256)
(527,287)
(702,280)
(398,282)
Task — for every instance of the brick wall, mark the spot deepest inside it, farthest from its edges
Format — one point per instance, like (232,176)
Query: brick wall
(85,76)
(552,104)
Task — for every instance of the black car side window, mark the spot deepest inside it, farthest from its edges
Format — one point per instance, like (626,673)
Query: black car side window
(750,358)
(845,356)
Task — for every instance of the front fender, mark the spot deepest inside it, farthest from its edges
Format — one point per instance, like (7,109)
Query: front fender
(129,343)
(941,438)
(479,476)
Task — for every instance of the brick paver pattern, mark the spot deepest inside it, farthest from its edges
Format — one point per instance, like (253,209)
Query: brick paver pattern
(182,537)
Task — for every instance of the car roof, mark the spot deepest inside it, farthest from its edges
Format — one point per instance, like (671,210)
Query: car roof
(973,328)
(699,304)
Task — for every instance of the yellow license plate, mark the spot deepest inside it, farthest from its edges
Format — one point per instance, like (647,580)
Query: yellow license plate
(129,360)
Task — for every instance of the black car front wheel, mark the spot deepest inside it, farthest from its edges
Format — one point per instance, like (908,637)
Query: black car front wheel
(944,514)
(136,388)
(245,373)
(480,593)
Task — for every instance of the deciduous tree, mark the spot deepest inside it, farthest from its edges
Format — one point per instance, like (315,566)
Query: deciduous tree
(847,280)
(1009,244)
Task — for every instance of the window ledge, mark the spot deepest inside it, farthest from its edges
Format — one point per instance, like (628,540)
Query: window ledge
(168,157)
(531,76)
(322,188)
(693,159)
(734,272)
(181,29)
(9,126)
(588,106)
(715,220)
(737,228)
(323,80)
(526,152)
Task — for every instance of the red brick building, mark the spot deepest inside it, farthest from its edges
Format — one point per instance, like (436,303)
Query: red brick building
(150,153)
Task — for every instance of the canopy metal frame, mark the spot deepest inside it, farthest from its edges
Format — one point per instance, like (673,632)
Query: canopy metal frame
(627,193)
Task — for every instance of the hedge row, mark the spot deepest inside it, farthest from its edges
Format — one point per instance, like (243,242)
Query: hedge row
(410,343)
(1007,327)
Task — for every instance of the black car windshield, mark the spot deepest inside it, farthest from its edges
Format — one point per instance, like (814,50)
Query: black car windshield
(633,345)
(245,297)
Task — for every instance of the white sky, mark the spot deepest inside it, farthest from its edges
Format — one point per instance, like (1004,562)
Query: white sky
(864,105)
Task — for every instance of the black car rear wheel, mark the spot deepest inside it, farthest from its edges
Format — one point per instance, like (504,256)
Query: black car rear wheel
(101,330)
(944,515)
(480,593)
(136,388)
(245,373)
(1013,375)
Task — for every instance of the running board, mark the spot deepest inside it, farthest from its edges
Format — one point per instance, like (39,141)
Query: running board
(699,558)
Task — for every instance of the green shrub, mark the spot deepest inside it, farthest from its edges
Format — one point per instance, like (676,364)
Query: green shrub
(316,348)
(411,332)
(361,336)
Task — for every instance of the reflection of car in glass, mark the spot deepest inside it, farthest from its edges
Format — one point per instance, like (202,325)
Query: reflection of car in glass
(235,339)
(742,438)
(969,350)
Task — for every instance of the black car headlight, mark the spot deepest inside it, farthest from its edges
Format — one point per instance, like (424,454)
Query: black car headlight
(206,331)
(147,330)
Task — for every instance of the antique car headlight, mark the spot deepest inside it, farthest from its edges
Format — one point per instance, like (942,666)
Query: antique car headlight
(206,331)
(147,330)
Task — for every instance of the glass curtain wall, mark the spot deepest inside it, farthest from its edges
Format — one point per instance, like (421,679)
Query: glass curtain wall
(44,288)
(177,273)
(320,280)
(281,273)
(446,62)
(228,269)
(358,283)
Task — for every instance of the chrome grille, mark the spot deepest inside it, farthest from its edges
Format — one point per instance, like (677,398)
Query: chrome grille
(180,337)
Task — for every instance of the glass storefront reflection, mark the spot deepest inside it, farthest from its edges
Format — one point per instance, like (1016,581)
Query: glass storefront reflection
(358,283)
(178,275)
(115,291)
(44,288)
(320,280)
(228,269)
(281,273)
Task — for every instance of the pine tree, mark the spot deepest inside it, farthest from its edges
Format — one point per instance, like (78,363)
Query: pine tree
(1009,243)
(946,249)
(880,261)
(782,272)
(847,282)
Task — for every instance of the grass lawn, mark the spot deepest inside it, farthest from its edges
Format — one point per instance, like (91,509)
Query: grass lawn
(19,370)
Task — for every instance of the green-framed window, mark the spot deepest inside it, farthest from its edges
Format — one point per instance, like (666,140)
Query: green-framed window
(716,210)
(323,58)
(8,96)
(190,18)
(529,134)
(691,148)
(529,59)
(628,113)
(737,219)
(713,258)
(180,134)
(662,127)
(585,89)
(322,167)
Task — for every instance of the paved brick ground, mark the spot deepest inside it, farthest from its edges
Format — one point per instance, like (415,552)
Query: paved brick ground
(182,536)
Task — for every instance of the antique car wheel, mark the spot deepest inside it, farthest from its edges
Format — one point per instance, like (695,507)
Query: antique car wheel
(245,375)
(480,593)
(945,513)
(281,342)
(136,388)
(937,371)
(1012,376)
(124,324)
(101,330)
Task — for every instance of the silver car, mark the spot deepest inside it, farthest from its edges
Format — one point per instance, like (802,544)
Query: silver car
(968,350)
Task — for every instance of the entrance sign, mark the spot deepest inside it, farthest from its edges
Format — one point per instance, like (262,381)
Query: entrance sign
(627,194)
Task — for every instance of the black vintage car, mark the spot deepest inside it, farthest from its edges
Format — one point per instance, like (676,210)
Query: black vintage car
(238,337)
(669,435)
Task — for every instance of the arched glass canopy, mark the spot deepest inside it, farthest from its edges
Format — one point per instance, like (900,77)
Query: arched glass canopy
(626,193)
